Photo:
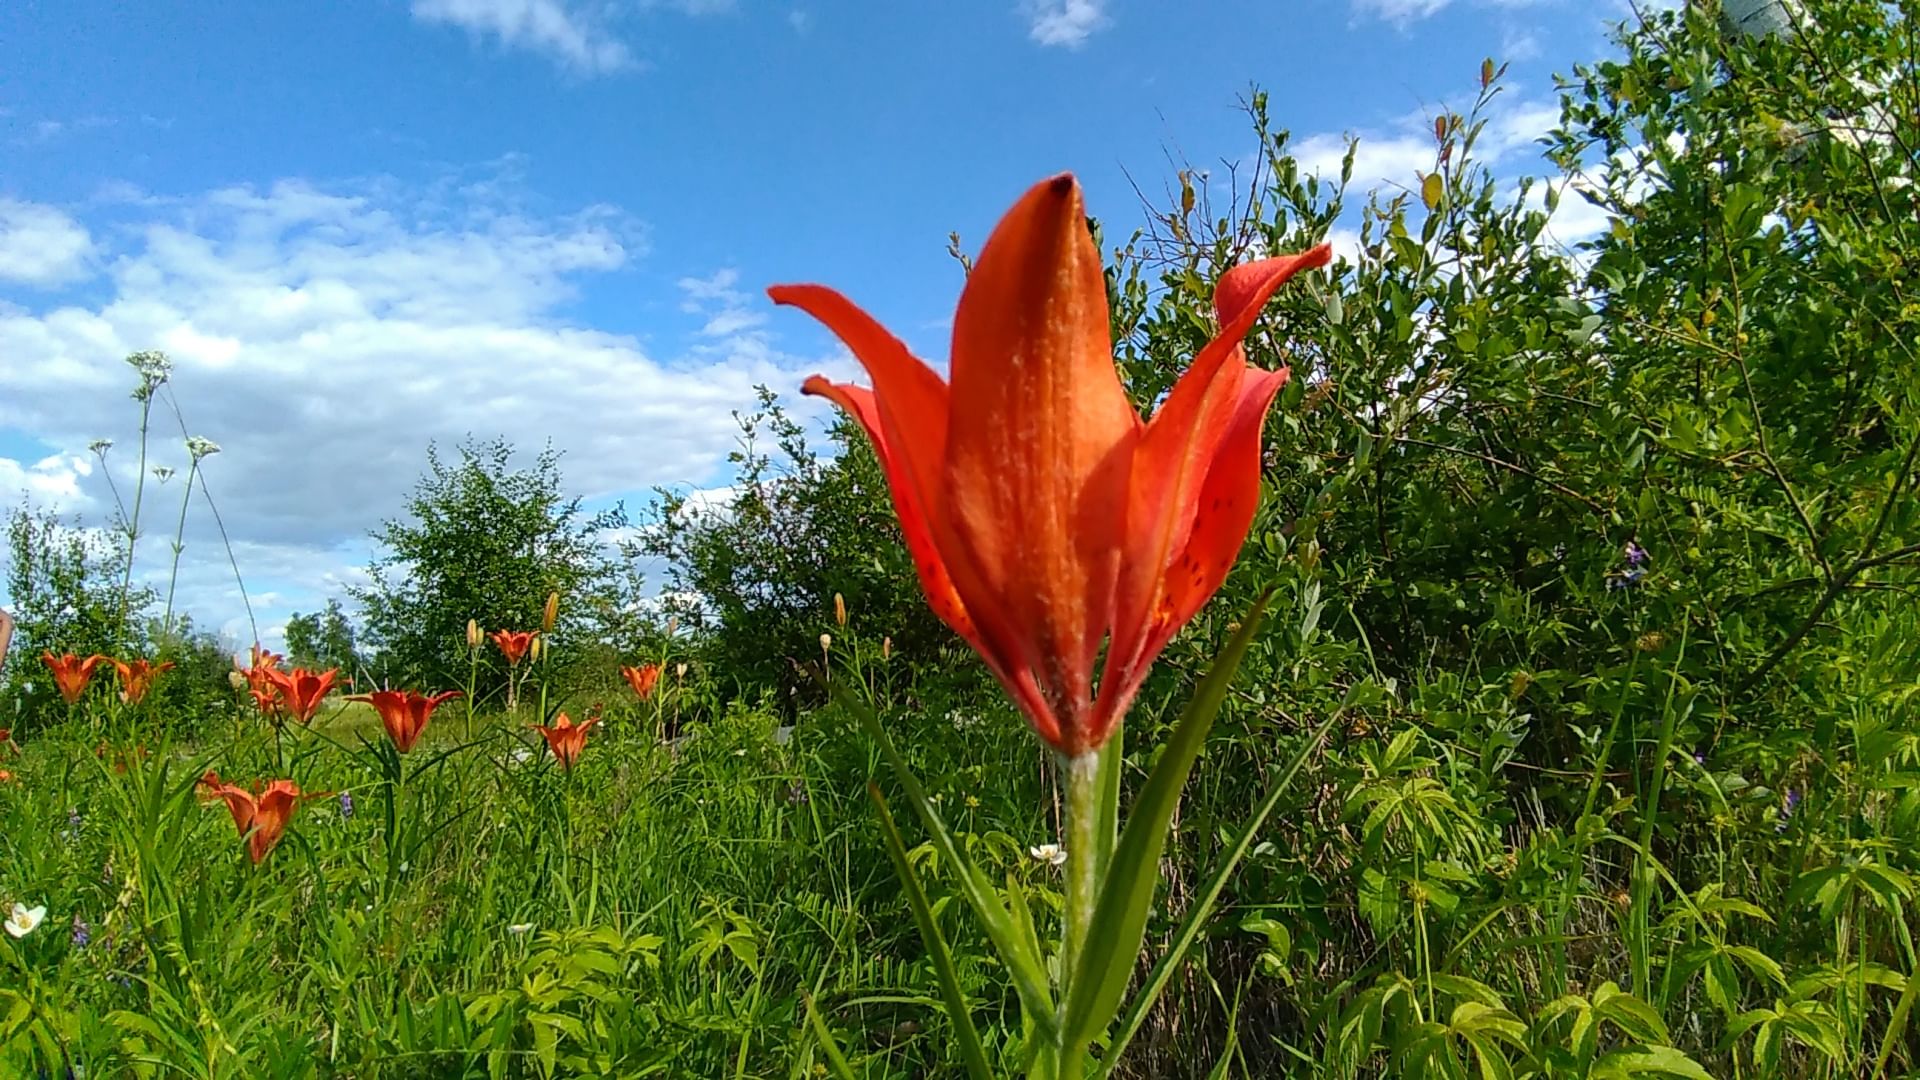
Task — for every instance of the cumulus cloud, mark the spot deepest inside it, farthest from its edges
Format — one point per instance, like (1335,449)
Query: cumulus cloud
(553,28)
(324,335)
(1065,23)
(41,246)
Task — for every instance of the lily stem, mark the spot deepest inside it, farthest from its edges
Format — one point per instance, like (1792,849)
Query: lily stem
(1083,864)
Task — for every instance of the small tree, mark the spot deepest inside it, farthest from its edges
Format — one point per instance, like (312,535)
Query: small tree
(483,540)
(64,589)
(758,573)
(323,639)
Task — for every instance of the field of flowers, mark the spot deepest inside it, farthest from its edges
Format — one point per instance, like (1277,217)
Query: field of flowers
(1436,655)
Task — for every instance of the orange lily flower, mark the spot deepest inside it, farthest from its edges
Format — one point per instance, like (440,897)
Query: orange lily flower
(1045,519)
(260,815)
(404,713)
(71,673)
(513,644)
(136,678)
(643,679)
(565,738)
(301,691)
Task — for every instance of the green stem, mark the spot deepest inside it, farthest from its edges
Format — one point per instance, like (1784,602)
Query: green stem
(1083,862)
(179,530)
(133,523)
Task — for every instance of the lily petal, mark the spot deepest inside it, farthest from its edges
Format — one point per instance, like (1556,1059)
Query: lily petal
(1039,446)
(1175,495)
(908,503)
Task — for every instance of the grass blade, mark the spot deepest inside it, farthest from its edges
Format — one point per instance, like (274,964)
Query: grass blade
(1202,908)
(1120,920)
(1023,961)
(971,1051)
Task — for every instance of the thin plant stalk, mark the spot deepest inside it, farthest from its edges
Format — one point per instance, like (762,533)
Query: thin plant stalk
(133,521)
(179,531)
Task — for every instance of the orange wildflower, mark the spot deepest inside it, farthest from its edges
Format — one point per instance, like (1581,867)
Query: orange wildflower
(404,713)
(71,673)
(513,644)
(260,815)
(5,777)
(136,678)
(643,679)
(565,738)
(1046,521)
(301,691)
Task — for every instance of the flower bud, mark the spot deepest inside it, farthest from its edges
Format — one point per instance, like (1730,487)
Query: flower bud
(539,646)
(237,680)
(839,610)
(826,645)
(673,623)
(473,634)
(551,613)
(886,648)
(680,670)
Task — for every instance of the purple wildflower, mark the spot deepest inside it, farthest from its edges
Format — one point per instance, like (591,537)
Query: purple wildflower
(346,806)
(796,794)
(1787,807)
(1634,553)
(82,933)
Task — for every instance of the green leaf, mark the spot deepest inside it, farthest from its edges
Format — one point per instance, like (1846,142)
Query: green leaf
(835,1058)
(1658,1060)
(958,1014)
(1203,905)
(1022,960)
(1119,922)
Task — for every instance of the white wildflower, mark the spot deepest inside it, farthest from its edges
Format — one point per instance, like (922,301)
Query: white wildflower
(202,447)
(100,446)
(163,473)
(23,919)
(520,929)
(1051,854)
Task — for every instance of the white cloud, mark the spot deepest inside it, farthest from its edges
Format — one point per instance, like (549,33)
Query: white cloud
(551,27)
(1067,23)
(324,335)
(41,246)
(728,310)
(1399,11)
(1393,158)
(50,482)
(1405,12)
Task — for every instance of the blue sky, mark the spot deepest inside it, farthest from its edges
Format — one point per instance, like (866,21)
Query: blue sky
(359,225)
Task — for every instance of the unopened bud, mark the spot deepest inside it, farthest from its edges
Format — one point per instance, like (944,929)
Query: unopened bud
(237,680)
(826,644)
(886,648)
(551,613)
(473,634)
(673,623)
(839,610)
(538,647)
(680,670)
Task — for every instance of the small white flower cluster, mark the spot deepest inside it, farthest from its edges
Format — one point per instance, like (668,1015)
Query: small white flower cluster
(154,368)
(100,446)
(962,722)
(202,447)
